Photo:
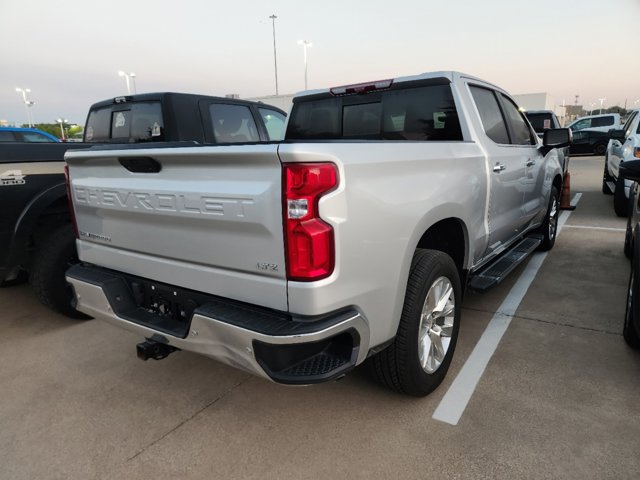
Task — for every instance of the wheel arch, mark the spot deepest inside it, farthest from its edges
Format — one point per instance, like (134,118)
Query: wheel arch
(449,236)
(47,208)
(557,182)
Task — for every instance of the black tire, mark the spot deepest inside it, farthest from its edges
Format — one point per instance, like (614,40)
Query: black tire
(56,254)
(620,200)
(600,149)
(606,178)
(398,367)
(628,239)
(632,311)
(549,227)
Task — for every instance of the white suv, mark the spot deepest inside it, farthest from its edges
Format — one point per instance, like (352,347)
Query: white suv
(623,146)
(598,123)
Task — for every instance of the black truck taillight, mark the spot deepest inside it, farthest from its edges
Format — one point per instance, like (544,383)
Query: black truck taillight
(309,241)
(71,211)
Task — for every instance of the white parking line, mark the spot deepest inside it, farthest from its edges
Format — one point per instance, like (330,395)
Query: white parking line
(587,227)
(455,401)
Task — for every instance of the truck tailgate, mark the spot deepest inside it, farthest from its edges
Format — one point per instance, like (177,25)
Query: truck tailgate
(209,220)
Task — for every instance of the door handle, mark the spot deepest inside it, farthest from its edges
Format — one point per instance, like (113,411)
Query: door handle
(498,167)
(530,163)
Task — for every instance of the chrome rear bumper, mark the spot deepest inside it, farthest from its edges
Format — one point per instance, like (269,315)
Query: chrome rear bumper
(269,344)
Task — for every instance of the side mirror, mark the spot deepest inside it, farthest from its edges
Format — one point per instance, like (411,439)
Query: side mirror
(557,138)
(615,134)
(630,170)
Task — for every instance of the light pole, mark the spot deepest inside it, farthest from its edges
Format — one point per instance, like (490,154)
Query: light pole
(27,104)
(133,79)
(305,44)
(129,77)
(592,105)
(62,121)
(275,57)
(601,103)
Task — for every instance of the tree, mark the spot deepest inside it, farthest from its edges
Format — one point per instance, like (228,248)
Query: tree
(50,128)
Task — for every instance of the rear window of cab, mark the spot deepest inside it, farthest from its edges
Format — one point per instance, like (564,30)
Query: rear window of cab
(425,113)
(130,123)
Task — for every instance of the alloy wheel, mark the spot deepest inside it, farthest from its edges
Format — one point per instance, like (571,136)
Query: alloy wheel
(436,324)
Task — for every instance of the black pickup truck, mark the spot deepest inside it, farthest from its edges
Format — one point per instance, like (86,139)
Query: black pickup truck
(36,236)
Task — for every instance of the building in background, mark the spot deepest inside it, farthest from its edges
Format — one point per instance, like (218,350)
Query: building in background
(541,101)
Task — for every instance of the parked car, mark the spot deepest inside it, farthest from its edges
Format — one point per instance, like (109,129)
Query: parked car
(602,123)
(623,147)
(353,239)
(28,135)
(589,141)
(36,235)
(630,170)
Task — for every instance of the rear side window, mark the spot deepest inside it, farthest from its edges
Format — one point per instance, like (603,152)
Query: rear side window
(128,123)
(421,113)
(490,114)
(233,123)
(602,121)
(274,123)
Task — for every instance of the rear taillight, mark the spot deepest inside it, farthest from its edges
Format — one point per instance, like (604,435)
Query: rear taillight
(71,211)
(309,240)
(636,152)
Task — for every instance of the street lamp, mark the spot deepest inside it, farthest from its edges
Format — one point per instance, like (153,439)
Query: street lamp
(601,103)
(275,58)
(27,103)
(62,121)
(593,104)
(305,44)
(129,77)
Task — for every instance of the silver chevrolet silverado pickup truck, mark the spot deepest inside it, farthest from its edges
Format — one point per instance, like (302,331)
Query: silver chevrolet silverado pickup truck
(353,239)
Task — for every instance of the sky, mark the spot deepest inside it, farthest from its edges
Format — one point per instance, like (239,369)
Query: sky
(69,53)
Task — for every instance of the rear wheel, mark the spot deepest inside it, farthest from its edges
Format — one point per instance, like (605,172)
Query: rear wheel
(549,228)
(56,254)
(628,239)
(419,357)
(600,149)
(620,200)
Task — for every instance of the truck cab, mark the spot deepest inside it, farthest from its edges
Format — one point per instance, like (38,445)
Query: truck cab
(182,117)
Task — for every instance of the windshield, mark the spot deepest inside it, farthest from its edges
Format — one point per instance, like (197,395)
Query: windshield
(540,121)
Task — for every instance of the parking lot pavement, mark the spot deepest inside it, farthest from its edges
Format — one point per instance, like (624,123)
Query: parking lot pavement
(559,397)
